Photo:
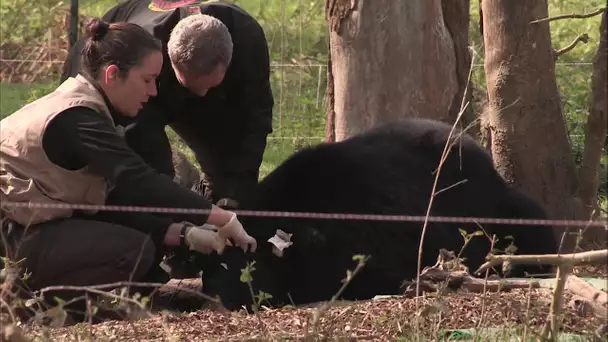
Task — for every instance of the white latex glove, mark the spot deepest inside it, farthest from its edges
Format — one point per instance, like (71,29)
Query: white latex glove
(204,240)
(235,231)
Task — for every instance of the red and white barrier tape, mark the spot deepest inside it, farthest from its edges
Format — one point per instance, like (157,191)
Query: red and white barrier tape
(336,216)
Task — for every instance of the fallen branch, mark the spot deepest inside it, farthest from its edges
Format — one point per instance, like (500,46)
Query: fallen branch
(97,289)
(582,38)
(584,308)
(574,259)
(463,280)
(570,16)
(583,289)
(564,263)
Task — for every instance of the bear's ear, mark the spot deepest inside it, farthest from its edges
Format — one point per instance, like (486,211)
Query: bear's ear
(280,241)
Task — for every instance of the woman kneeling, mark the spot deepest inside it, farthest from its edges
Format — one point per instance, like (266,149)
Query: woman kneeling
(66,149)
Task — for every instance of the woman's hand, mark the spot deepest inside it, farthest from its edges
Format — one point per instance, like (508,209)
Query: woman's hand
(204,240)
(230,227)
(235,231)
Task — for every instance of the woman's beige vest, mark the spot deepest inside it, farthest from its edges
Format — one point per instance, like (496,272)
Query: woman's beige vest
(27,174)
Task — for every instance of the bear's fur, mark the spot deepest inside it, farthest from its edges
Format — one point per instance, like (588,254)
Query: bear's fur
(386,170)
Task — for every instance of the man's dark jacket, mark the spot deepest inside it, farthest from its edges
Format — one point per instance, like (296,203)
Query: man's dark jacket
(227,128)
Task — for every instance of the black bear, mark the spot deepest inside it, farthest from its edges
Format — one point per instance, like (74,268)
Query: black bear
(386,170)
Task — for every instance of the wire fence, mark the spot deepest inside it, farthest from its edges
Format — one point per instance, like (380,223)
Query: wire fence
(298,116)
(297,37)
(38,41)
(37,47)
(317,215)
(300,112)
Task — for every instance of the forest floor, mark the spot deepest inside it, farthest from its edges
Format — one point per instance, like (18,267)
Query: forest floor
(459,315)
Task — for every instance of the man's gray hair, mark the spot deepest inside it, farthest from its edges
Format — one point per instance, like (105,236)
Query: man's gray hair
(198,43)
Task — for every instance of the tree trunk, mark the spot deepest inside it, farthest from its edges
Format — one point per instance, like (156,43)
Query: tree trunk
(529,139)
(330,123)
(595,131)
(389,60)
(482,101)
(456,14)
(480,20)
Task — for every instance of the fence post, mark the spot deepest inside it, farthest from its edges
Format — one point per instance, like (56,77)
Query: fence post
(73,22)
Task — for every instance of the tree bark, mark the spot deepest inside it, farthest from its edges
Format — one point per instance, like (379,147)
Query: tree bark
(330,122)
(529,139)
(595,131)
(389,60)
(456,14)
(482,101)
(480,20)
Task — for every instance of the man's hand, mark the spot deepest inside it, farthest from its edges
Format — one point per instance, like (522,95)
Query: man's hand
(234,230)
(205,239)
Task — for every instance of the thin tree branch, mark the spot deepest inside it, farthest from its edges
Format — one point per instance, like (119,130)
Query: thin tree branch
(584,38)
(570,16)
(597,256)
(96,288)
(551,327)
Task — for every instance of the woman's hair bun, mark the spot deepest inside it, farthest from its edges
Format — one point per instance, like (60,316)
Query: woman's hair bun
(97,28)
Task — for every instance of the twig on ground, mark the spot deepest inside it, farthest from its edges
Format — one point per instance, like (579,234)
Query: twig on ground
(12,333)
(479,328)
(585,307)
(527,317)
(98,289)
(9,310)
(589,298)
(127,283)
(582,288)
(565,263)
(325,306)
(463,280)
(92,290)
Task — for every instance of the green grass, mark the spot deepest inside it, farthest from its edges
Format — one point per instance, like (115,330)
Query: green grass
(296,31)
(276,152)
(15,96)
(278,149)
(298,111)
(96,7)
